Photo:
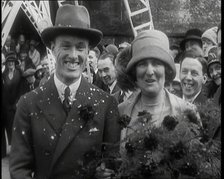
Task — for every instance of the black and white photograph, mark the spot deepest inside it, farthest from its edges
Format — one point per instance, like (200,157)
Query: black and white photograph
(111,89)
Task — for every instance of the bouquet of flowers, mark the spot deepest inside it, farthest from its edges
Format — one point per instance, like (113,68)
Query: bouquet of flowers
(179,147)
(182,147)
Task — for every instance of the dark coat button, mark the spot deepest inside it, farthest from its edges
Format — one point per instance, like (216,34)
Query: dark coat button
(47,153)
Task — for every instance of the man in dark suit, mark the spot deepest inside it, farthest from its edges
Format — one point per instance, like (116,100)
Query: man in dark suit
(58,123)
(193,76)
(107,73)
(28,82)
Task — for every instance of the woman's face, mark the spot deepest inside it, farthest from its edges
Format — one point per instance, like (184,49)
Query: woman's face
(215,72)
(150,76)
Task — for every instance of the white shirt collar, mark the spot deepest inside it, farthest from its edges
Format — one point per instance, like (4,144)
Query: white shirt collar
(111,87)
(191,100)
(61,88)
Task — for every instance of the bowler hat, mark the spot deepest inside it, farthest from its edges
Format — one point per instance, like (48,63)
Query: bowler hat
(152,44)
(192,34)
(29,72)
(72,20)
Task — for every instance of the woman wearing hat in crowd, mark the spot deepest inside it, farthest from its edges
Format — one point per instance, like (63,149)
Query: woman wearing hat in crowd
(11,81)
(150,66)
(209,40)
(214,72)
(28,82)
(33,53)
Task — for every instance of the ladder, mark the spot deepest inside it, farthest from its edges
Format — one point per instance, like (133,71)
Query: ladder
(139,14)
(9,12)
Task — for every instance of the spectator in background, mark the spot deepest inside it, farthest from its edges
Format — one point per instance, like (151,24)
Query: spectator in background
(192,41)
(11,81)
(112,49)
(219,43)
(34,55)
(93,57)
(89,76)
(46,71)
(217,95)
(21,44)
(209,40)
(9,45)
(126,85)
(123,45)
(213,71)
(174,51)
(39,74)
(107,72)
(25,61)
(28,82)
(193,76)
(175,86)
(3,63)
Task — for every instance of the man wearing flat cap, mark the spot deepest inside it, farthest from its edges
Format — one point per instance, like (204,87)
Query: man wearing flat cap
(58,124)
(28,82)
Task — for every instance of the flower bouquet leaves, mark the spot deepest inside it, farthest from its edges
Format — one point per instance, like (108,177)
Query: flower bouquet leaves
(182,147)
(176,149)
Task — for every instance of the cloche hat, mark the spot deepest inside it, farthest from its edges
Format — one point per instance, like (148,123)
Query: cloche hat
(212,58)
(73,20)
(152,44)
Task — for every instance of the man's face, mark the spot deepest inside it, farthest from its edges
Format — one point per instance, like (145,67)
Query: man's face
(215,72)
(10,65)
(92,59)
(191,77)
(106,71)
(21,39)
(193,45)
(8,41)
(150,76)
(23,56)
(30,79)
(71,54)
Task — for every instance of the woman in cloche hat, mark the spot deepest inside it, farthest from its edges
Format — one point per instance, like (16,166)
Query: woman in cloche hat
(150,66)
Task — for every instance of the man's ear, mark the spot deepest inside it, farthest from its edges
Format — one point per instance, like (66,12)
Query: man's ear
(205,78)
(52,46)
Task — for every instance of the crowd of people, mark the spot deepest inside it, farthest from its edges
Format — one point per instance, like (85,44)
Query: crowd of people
(48,138)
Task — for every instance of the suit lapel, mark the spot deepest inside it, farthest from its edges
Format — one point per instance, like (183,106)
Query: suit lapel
(73,125)
(51,105)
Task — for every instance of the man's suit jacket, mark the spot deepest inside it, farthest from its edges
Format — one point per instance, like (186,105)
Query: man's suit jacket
(39,147)
(200,99)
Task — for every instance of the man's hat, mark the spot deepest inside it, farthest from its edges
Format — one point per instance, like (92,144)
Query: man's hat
(212,58)
(11,56)
(29,72)
(33,42)
(192,34)
(72,20)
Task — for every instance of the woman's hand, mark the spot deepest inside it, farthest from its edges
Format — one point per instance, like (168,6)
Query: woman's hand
(104,173)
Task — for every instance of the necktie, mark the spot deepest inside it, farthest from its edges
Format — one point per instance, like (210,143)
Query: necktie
(66,102)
